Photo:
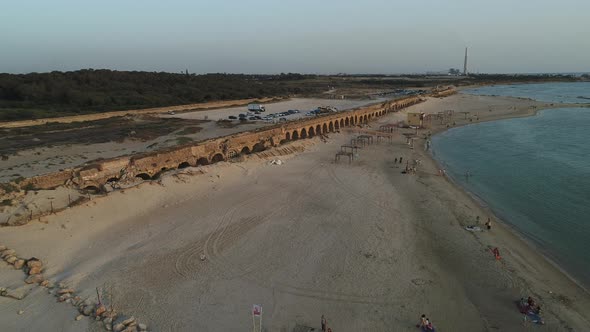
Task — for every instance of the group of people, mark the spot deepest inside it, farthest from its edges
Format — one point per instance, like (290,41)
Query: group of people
(531,310)
(425,324)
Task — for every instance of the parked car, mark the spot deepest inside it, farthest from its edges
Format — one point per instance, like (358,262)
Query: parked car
(252,118)
(258,117)
(232,117)
(242,115)
(283,119)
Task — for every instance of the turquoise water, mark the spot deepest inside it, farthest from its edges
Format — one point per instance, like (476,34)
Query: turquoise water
(578,92)
(534,173)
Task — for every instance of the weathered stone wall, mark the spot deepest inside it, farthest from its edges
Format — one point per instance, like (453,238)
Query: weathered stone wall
(148,165)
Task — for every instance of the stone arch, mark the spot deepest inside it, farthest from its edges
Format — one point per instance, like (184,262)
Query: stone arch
(93,189)
(318,129)
(331,127)
(245,150)
(295,135)
(341,123)
(324,128)
(336,125)
(356,119)
(143,176)
(217,158)
(303,133)
(288,136)
(184,164)
(258,147)
(311,132)
(202,161)
(365,119)
(346,122)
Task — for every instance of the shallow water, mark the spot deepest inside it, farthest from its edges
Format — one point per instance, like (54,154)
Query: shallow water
(535,174)
(567,92)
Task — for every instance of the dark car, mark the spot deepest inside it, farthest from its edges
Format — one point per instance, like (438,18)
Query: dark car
(252,118)
(258,117)
(242,115)
(232,117)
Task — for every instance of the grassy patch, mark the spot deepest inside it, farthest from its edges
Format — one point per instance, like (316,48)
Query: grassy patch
(189,130)
(183,140)
(8,187)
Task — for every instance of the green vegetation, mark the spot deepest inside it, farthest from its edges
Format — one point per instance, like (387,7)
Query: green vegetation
(183,140)
(90,91)
(8,187)
(43,95)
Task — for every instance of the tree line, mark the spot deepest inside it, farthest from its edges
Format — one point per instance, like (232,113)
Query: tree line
(27,96)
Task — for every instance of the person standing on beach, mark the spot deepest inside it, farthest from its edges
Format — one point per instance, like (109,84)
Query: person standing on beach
(489,224)
(324,324)
(423,321)
(395,162)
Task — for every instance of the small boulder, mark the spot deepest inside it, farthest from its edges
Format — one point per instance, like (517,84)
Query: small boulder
(64,297)
(17,294)
(34,270)
(19,264)
(34,262)
(142,327)
(79,317)
(130,329)
(65,291)
(11,259)
(34,279)
(20,312)
(118,327)
(100,310)
(88,310)
(7,252)
(128,321)
(2,248)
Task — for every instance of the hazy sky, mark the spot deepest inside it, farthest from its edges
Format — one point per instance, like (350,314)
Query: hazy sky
(320,36)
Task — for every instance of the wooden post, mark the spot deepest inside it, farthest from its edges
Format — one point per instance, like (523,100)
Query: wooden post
(51,202)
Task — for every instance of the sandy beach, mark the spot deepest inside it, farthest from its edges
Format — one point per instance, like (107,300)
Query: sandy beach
(362,243)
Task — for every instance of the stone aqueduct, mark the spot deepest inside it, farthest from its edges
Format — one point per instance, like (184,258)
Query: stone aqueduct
(150,165)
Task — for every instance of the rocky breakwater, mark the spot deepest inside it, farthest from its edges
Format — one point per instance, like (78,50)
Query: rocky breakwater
(102,313)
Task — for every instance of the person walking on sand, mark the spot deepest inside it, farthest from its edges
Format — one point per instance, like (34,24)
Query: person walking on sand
(395,162)
(489,224)
(400,159)
(423,321)
(324,324)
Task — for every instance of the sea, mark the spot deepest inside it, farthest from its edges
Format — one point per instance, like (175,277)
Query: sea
(533,172)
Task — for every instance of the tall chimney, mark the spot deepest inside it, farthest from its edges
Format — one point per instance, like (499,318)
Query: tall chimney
(465,63)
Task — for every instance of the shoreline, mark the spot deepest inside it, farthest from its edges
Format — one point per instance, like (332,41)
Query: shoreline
(485,206)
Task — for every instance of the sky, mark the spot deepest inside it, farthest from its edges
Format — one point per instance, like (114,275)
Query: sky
(304,36)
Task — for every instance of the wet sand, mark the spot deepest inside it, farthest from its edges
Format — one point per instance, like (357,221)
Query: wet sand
(365,245)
